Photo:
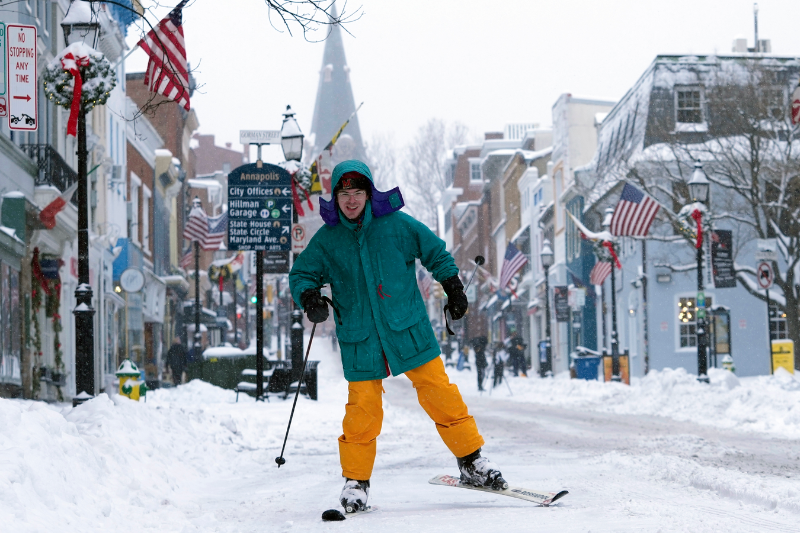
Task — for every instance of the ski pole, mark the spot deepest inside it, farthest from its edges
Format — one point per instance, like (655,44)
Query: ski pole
(280,460)
(479,260)
(508,385)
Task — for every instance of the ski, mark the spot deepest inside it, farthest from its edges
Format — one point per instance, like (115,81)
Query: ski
(543,498)
(335,515)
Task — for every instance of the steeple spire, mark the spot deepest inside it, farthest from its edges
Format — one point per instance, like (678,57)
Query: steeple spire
(335,103)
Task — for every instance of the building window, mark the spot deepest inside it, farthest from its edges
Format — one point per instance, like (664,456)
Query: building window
(777,323)
(146,195)
(575,207)
(133,203)
(774,101)
(475,171)
(689,105)
(687,321)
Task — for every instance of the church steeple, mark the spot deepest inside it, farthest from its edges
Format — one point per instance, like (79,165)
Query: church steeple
(335,103)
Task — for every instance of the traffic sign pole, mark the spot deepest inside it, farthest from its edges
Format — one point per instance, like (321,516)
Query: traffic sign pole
(259,325)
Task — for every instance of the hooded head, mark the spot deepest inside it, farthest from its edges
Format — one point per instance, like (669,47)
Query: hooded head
(356,174)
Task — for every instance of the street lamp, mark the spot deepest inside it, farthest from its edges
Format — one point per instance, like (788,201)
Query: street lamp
(615,374)
(292,144)
(80,26)
(291,137)
(698,190)
(547,258)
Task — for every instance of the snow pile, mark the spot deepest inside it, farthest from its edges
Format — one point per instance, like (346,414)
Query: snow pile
(768,404)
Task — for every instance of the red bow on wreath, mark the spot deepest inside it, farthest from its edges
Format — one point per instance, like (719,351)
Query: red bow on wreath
(697,215)
(610,247)
(70,63)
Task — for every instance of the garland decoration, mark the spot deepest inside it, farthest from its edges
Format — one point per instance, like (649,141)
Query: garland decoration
(78,76)
(36,304)
(50,289)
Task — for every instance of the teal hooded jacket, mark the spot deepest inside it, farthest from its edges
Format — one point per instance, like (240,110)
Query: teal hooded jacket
(372,275)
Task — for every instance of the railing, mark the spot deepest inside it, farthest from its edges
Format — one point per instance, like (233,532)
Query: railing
(53,170)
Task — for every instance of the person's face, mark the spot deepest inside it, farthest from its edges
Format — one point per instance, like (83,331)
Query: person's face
(352,202)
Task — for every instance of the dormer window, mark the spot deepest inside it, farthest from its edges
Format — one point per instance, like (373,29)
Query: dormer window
(689,105)
(327,71)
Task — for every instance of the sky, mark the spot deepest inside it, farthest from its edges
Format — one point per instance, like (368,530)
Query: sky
(481,63)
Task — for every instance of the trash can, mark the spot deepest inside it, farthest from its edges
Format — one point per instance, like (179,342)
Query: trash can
(586,367)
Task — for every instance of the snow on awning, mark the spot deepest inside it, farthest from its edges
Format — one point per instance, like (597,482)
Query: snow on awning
(496,317)
(490,302)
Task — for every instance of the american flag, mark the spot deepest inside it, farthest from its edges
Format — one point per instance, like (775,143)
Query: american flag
(208,231)
(634,213)
(425,282)
(187,258)
(196,228)
(600,272)
(217,231)
(167,72)
(514,260)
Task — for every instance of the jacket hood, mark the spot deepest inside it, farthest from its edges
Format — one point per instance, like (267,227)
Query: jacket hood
(382,203)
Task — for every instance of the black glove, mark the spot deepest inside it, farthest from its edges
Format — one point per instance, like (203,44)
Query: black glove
(316,308)
(456,299)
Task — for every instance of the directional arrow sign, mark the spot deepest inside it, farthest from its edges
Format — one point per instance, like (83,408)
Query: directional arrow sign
(287,191)
(22,91)
(259,216)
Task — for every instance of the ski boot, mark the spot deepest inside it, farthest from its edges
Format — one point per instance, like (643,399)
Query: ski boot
(480,472)
(354,495)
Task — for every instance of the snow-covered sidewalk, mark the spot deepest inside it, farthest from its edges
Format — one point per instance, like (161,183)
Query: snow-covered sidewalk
(193,460)
(764,404)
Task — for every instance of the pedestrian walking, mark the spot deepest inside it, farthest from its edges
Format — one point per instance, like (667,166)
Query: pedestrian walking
(479,347)
(177,360)
(516,351)
(367,252)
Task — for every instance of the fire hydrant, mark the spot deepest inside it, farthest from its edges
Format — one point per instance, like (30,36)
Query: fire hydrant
(727,363)
(129,384)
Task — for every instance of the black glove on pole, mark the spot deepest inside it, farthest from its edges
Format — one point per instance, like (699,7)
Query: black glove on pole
(456,299)
(315,306)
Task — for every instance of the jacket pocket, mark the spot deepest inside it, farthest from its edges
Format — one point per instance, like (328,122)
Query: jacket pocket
(408,335)
(355,348)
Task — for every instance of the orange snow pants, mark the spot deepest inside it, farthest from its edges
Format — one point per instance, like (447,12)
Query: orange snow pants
(364,415)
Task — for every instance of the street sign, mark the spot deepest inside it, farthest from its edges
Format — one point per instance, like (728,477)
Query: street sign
(561,303)
(260,136)
(3,80)
(722,259)
(276,262)
(22,75)
(767,256)
(259,208)
(764,275)
(298,238)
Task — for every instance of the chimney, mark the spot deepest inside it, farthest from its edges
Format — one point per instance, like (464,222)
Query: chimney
(228,145)
(739,45)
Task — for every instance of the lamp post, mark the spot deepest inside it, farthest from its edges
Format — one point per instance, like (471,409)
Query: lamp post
(79,26)
(198,336)
(292,144)
(547,258)
(615,374)
(698,191)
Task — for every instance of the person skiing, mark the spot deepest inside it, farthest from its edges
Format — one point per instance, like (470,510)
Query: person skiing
(500,359)
(366,251)
(479,346)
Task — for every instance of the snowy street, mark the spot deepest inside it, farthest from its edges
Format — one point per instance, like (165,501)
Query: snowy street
(192,460)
